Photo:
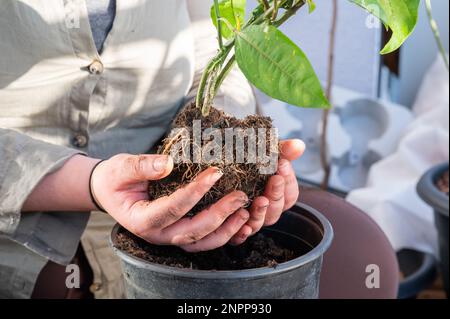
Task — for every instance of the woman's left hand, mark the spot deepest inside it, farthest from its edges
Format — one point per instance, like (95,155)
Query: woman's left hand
(281,193)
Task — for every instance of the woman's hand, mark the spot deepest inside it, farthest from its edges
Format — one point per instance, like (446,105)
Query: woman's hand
(281,193)
(120,186)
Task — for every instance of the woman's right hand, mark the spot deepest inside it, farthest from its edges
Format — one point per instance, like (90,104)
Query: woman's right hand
(120,186)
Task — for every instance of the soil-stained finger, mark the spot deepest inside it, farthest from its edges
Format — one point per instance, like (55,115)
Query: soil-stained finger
(189,230)
(258,212)
(165,211)
(138,168)
(275,193)
(241,235)
(222,235)
(291,189)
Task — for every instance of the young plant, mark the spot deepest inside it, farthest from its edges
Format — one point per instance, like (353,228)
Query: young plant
(270,60)
(273,64)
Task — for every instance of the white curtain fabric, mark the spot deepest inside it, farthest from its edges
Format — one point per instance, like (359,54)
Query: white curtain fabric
(390,197)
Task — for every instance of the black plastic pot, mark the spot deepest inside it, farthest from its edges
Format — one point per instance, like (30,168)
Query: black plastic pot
(439,202)
(419,270)
(302,229)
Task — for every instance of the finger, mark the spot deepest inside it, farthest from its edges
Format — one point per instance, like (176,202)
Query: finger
(189,230)
(258,214)
(241,235)
(165,211)
(138,168)
(256,221)
(275,193)
(291,190)
(291,149)
(222,235)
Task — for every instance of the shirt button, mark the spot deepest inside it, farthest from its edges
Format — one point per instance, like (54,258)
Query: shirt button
(95,287)
(96,67)
(80,140)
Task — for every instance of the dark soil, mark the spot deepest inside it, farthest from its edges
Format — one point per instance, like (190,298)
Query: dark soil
(442,183)
(259,251)
(245,177)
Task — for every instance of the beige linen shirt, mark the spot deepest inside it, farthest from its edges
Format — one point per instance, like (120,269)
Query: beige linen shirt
(60,97)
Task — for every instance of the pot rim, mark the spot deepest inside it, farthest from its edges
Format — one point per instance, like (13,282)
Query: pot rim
(427,190)
(316,252)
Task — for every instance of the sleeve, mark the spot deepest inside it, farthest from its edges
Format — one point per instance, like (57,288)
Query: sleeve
(24,161)
(235,95)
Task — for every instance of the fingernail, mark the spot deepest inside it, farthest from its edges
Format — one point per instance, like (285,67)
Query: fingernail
(299,144)
(160,163)
(245,235)
(215,176)
(218,173)
(239,202)
(244,215)
(244,200)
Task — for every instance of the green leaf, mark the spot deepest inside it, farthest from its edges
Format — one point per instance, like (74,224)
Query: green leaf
(233,11)
(311,5)
(398,15)
(276,66)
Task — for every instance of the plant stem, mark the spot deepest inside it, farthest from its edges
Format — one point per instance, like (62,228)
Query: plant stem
(325,116)
(289,13)
(223,74)
(264,15)
(219,24)
(435,29)
(199,101)
(275,10)
(216,79)
(265,3)
(203,82)
(214,75)
(209,92)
